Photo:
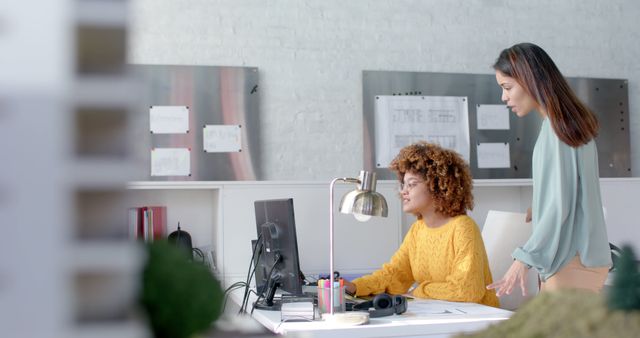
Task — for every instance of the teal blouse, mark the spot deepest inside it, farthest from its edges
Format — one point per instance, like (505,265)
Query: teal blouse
(566,208)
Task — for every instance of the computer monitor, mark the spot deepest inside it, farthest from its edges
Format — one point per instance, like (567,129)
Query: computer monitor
(277,264)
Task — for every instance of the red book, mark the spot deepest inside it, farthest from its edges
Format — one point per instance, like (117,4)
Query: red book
(157,222)
(143,224)
(148,223)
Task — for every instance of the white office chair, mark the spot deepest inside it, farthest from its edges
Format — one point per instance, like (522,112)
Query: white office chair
(502,233)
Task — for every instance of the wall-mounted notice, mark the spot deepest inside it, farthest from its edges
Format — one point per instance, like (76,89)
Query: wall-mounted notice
(403,120)
(170,162)
(493,116)
(169,119)
(222,138)
(493,155)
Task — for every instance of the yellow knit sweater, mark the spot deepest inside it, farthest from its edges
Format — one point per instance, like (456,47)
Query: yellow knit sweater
(448,263)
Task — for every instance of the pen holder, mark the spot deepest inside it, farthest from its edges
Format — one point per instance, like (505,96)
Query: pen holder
(324,296)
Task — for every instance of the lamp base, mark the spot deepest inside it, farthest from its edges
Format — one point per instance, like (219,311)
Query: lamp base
(346,318)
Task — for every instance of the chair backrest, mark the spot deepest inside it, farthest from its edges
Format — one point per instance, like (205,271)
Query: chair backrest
(502,233)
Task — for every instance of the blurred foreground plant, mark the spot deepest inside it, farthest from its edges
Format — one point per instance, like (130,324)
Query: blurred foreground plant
(625,292)
(181,297)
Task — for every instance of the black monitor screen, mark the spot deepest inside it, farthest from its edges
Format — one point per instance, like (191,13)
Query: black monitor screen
(278,264)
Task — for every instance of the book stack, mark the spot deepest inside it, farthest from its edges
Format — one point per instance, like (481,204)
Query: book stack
(148,223)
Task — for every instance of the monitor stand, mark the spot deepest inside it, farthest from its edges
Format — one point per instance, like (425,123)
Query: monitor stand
(276,305)
(268,303)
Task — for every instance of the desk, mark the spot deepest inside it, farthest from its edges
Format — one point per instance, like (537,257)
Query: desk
(424,318)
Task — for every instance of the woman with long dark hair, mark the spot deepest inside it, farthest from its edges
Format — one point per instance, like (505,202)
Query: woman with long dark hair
(569,246)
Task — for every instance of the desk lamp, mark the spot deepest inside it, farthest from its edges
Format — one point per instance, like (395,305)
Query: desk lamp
(363,202)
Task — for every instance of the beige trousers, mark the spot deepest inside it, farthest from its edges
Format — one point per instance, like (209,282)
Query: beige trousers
(577,276)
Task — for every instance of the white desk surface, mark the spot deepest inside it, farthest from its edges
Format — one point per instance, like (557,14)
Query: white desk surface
(424,318)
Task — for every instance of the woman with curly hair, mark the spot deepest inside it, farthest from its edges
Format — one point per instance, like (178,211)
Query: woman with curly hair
(443,252)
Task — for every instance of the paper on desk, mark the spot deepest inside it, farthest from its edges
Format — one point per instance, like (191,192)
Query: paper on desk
(432,307)
(421,307)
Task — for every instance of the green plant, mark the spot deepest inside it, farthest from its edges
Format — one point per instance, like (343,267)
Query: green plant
(181,297)
(625,292)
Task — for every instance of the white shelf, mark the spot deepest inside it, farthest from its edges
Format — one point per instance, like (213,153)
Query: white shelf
(175,185)
(220,184)
(503,182)
(620,179)
(529,182)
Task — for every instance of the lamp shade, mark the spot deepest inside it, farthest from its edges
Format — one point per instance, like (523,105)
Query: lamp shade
(362,202)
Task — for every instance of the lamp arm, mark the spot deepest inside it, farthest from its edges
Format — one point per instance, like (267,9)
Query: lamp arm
(331,269)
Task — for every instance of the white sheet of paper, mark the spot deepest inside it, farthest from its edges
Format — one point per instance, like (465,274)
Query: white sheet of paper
(403,120)
(493,155)
(493,116)
(169,119)
(430,307)
(435,309)
(222,138)
(170,162)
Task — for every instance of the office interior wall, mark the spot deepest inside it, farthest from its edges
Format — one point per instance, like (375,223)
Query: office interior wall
(607,97)
(311,55)
(213,96)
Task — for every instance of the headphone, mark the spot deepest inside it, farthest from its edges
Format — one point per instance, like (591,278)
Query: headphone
(383,305)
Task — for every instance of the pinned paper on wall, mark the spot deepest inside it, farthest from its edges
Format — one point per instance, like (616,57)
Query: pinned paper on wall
(170,162)
(403,120)
(169,119)
(493,116)
(493,155)
(222,138)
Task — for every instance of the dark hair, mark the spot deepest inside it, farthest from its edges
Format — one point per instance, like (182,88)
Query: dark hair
(534,70)
(446,174)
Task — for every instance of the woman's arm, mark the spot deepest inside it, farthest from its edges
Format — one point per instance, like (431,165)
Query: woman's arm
(394,276)
(554,200)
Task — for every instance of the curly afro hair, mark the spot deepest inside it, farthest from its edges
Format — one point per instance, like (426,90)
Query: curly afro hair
(446,175)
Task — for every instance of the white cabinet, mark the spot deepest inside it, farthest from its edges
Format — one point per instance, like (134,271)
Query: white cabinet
(221,214)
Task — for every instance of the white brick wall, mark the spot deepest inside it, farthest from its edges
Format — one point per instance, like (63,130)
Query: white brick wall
(311,55)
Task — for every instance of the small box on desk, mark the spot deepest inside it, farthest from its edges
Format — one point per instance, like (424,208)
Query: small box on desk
(297,309)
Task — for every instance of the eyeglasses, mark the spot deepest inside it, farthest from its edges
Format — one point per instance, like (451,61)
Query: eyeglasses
(408,185)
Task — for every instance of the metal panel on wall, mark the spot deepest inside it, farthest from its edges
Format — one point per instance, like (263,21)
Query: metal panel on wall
(214,97)
(608,98)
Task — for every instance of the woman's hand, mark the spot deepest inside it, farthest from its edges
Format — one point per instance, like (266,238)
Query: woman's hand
(528,217)
(517,274)
(349,287)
